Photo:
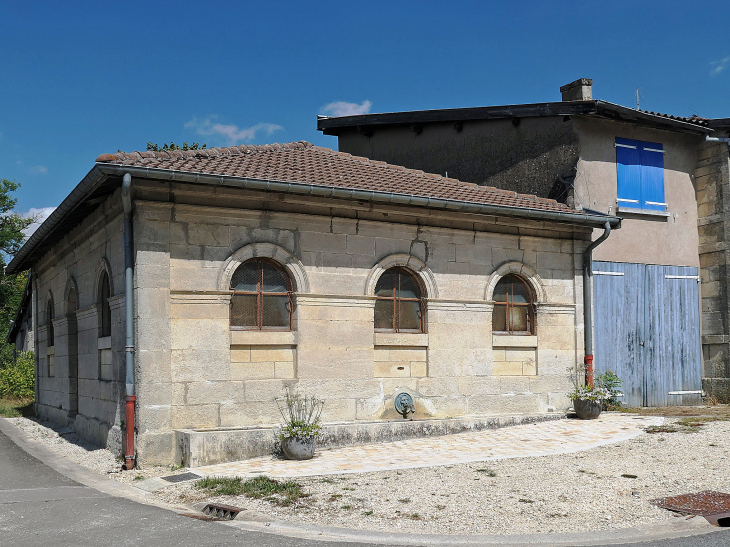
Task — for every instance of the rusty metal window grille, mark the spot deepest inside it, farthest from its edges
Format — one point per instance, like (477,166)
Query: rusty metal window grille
(50,341)
(399,304)
(262,296)
(514,307)
(105,318)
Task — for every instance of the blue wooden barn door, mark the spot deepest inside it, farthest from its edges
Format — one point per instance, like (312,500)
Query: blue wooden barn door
(646,330)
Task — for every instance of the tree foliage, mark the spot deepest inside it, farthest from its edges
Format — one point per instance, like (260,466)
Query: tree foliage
(11,286)
(154,147)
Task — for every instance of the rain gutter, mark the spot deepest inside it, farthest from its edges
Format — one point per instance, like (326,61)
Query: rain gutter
(101,171)
(594,220)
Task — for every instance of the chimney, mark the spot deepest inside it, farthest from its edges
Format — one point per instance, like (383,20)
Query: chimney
(579,90)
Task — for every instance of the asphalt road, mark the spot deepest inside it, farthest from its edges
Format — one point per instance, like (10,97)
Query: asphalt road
(42,507)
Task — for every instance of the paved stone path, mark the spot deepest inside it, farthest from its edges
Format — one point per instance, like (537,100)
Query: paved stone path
(541,439)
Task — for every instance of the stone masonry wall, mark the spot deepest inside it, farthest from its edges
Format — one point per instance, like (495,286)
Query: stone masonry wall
(712,178)
(193,371)
(84,388)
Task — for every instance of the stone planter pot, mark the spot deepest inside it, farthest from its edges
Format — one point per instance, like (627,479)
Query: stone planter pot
(298,449)
(587,410)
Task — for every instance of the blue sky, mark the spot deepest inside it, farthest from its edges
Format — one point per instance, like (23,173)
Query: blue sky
(78,79)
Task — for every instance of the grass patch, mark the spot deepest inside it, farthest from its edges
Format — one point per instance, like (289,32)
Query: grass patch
(335,497)
(525,500)
(367,513)
(347,507)
(661,429)
(278,493)
(327,481)
(139,478)
(15,407)
(415,516)
(488,472)
(347,488)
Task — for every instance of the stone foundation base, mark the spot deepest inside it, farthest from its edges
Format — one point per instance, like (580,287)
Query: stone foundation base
(717,388)
(194,448)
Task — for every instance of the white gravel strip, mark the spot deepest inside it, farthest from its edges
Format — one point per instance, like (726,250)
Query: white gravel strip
(577,492)
(567,493)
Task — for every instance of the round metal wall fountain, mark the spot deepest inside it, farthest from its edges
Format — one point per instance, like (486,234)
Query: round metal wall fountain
(404,405)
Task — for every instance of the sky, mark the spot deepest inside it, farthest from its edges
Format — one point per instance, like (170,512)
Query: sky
(78,79)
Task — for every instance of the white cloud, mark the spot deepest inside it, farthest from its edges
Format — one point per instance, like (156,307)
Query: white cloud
(341,108)
(232,133)
(38,170)
(719,66)
(38,216)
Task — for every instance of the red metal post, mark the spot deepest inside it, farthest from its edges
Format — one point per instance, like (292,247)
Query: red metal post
(129,452)
(589,370)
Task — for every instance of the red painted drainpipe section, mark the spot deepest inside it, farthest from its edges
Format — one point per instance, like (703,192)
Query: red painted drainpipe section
(129,459)
(589,370)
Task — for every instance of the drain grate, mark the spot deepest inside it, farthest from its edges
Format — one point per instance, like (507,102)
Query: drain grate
(224,512)
(714,506)
(182,477)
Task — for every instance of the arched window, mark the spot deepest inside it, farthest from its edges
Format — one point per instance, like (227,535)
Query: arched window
(514,306)
(105,311)
(399,305)
(262,296)
(50,339)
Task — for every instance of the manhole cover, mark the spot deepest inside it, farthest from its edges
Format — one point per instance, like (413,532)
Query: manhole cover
(714,506)
(182,477)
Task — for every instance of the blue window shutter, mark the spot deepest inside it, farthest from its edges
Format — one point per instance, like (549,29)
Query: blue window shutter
(628,173)
(652,176)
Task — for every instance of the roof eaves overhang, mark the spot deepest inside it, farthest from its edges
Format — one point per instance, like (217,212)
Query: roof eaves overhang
(95,181)
(623,113)
(332,126)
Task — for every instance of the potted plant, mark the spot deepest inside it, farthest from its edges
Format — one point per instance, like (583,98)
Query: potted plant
(588,401)
(612,383)
(301,426)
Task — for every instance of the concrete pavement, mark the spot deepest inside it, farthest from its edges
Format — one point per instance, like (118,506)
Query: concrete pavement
(538,439)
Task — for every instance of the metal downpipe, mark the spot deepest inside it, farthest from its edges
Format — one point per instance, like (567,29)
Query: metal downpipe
(588,302)
(129,454)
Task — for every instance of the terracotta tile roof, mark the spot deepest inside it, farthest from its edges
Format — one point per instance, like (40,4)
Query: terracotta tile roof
(303,162)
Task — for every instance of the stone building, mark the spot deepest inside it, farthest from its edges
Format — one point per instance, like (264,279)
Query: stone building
(659,173)
(258,268)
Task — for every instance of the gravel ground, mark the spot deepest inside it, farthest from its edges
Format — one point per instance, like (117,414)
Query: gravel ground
(567,493)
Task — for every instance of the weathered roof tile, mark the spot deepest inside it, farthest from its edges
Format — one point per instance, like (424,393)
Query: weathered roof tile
(305,163)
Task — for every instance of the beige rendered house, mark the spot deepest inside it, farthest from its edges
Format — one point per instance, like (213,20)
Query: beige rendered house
(254,269)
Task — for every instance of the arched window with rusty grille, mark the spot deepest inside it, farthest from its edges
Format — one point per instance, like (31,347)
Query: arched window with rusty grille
(262,296)
(514,306)
(399,304)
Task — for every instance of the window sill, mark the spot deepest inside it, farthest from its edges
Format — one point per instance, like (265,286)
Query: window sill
(642,212)
(263,338)
(411,339)
(104,342)
(514,341)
